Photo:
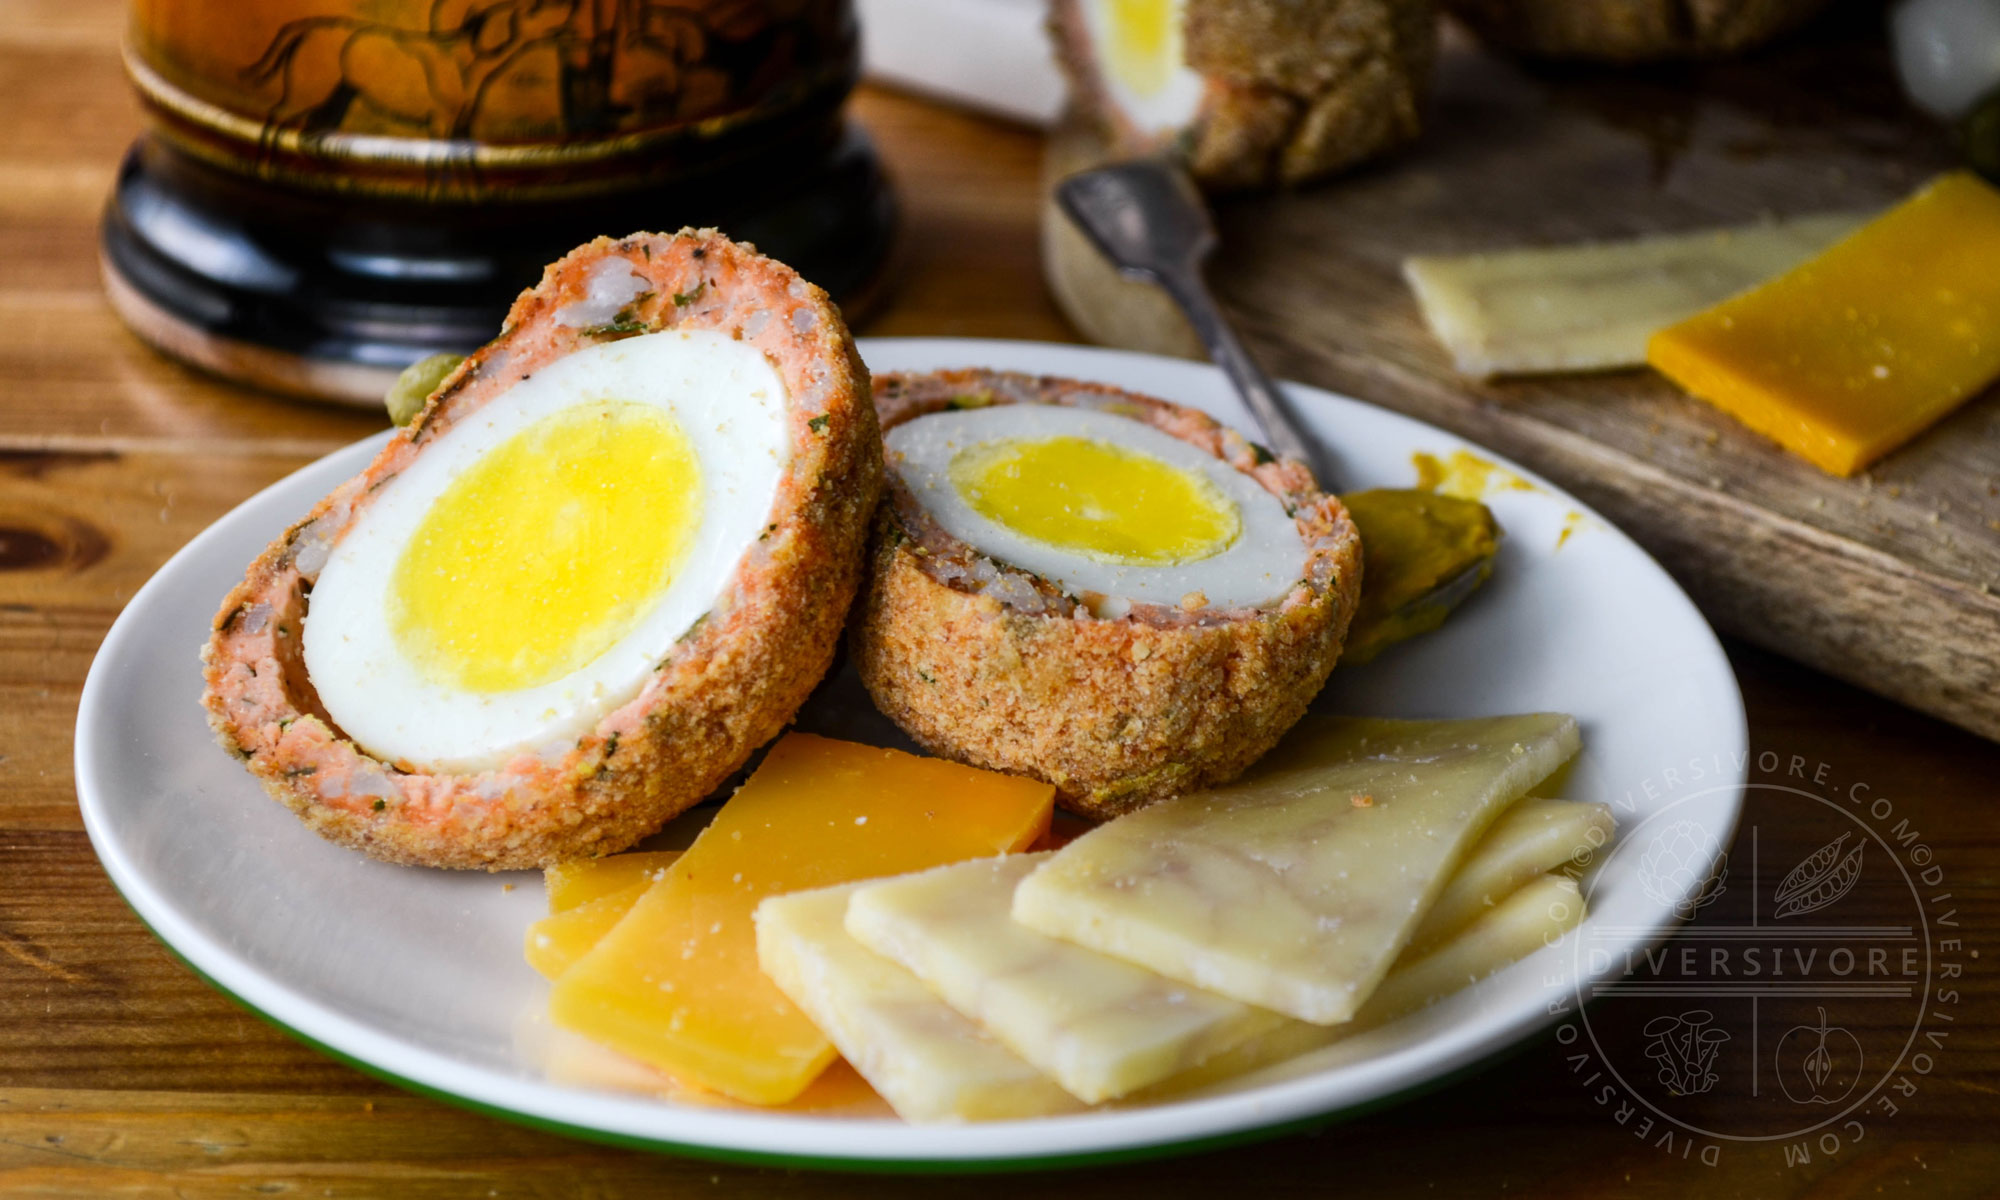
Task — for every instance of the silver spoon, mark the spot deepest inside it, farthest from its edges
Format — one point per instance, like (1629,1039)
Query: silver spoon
(1147,218)
(1425,553)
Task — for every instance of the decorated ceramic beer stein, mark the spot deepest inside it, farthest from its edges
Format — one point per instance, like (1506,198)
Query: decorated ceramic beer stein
(328,190)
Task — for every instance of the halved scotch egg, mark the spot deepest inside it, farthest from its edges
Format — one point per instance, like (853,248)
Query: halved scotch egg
(605,563)
(1102,590)
(1251,93)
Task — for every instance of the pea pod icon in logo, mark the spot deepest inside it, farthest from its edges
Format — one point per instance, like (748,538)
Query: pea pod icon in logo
(1820,879)
(1818,1064)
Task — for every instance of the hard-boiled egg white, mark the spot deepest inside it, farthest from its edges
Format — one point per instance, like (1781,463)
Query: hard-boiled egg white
(1100,505)
(1142,61)
(535,562)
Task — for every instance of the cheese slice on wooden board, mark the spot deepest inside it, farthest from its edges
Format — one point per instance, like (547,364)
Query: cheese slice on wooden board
(676,983)
(1592,307)
(1530,839)
(927,1061)
(1296,887)
(1535,915)
(1851,354)
(1098,1026)
(574,883)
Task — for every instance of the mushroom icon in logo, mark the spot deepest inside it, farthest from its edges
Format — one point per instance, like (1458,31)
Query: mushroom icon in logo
(1685,1047)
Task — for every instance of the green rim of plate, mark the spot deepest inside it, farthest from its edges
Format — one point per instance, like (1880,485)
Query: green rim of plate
(882,1166)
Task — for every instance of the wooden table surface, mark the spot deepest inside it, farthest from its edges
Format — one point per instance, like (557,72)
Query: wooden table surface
(121,1073)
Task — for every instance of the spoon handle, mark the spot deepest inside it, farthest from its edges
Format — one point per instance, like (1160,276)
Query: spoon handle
(1266,403)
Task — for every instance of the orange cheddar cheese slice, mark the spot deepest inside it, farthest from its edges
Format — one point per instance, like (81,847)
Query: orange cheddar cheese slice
(676,984)
(1851,354)
(557,941)
(586,898)
(574,883)
(574,1061)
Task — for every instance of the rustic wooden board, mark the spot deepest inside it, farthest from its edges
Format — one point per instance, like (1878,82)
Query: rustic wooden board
(1885,580)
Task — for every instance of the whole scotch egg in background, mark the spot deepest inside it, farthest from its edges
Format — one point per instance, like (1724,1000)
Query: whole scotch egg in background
(1099,589)
(1249,93)
(606,562)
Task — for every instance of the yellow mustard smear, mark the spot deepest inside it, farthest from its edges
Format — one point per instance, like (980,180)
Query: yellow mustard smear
(1572,522)
(1465,475)
(549,549)
(1108,502)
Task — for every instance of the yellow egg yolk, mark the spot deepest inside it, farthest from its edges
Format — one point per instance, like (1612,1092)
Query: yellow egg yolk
(1145,43)
(1105,501)
(548,549)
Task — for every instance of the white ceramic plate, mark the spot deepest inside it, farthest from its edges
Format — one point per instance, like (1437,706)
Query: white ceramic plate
(417,975)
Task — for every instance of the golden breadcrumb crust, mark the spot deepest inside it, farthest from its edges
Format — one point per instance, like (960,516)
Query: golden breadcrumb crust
(1115,713)
(1295,89)
(1632,30)
(729,686)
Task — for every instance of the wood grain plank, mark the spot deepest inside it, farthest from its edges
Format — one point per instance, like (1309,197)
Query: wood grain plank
(80,382)
(85,530)
(79,534)
(64,23)
(88,999)
(60,1143)
(43,657)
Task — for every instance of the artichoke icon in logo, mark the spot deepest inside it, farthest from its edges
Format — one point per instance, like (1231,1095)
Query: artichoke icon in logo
(1683,866)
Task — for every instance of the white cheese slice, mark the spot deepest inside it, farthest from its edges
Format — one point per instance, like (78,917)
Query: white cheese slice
(1296,887)
(932,1064)
(928,1062)
(1537,914)
(1592,307)
(1531,838)
(1098,1026)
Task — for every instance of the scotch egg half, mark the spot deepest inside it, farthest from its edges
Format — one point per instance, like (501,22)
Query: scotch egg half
(605,563)
(1099,589)
(533,567)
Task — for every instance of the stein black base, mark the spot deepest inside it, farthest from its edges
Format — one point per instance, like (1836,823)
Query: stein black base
(330,296)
